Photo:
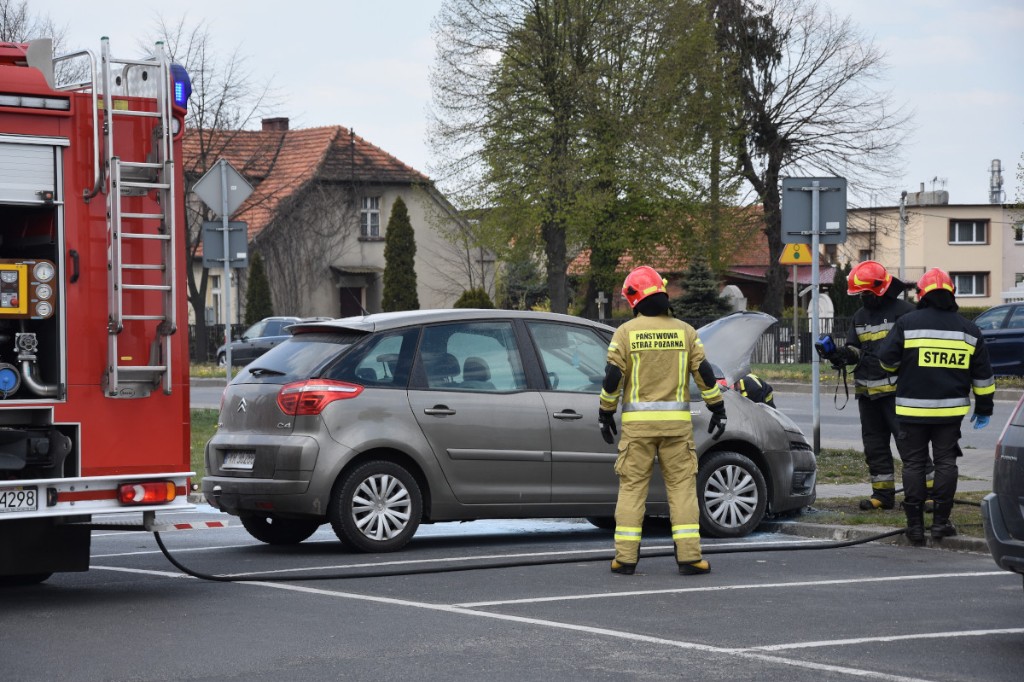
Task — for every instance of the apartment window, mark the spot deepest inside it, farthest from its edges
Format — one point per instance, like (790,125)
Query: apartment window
(970,283)
(1018,278)
(1018,232)
(968,232)
(864,254)
(369,218)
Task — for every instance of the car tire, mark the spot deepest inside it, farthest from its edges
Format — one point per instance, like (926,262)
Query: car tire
(276,531)
(731,494)
(376,507)
(602,522)
(222,360)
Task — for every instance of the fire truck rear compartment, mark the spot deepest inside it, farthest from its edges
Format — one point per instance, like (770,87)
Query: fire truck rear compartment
(30,361)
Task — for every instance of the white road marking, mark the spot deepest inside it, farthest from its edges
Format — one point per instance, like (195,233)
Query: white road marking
(725,588)
(885,638)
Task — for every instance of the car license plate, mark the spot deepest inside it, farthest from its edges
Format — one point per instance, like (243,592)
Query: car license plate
(239,459)
(19,499)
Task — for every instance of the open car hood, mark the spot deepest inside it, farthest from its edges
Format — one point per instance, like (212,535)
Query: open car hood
(729,341)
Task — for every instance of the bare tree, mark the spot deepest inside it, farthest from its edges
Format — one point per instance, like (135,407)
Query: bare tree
(18,25)
(808,105)
(314,228)
(225,100)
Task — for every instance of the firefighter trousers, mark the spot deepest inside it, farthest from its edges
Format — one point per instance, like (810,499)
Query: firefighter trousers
(913,441)
(677,457)
(878,427)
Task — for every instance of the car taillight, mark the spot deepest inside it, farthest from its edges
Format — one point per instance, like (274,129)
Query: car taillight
(311,396)
(150,492)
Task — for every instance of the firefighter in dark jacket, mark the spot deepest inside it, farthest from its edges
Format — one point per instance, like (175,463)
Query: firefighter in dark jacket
(650,361)
(940,358)
(753,387)
(874,387)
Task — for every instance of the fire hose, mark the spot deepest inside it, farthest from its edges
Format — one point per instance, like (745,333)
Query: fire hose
(349,575)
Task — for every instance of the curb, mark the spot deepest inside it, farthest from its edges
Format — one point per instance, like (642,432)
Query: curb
(957,543)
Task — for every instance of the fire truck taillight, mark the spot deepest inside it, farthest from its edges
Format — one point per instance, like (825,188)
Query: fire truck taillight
(150,492)
(310,397)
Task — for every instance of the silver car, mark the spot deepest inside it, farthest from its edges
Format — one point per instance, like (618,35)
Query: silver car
(377,424)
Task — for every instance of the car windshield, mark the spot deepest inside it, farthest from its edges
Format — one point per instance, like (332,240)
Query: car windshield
(992,319)
(297,358)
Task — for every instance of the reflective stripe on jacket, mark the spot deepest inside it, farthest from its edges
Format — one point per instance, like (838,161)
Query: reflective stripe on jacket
(941,358)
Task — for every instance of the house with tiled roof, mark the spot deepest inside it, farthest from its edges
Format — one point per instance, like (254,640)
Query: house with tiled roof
(746,268)
(318,213)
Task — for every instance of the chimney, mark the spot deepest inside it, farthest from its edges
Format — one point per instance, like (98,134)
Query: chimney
(279,124)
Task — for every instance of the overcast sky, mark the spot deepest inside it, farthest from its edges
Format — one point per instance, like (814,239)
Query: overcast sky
(365,64)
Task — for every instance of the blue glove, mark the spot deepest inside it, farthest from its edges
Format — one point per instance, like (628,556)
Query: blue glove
(980,420)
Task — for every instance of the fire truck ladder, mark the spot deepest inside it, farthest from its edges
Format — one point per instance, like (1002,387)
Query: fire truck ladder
(155,173)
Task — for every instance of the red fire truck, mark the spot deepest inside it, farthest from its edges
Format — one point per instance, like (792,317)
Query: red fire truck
(94,419)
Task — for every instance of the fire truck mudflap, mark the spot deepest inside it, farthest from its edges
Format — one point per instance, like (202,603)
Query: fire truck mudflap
(94,416)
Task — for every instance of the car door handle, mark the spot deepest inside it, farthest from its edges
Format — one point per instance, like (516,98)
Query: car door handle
(567,414)
(439,411)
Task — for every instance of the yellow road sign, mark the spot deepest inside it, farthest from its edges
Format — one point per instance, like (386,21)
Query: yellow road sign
(796,254)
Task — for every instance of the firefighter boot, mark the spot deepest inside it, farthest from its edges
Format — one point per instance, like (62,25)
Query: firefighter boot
(877,502)
(694,568)
(623,569)
(941,525)
(915,523)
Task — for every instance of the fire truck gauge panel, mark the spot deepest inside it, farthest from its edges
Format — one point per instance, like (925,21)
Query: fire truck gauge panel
(24,293)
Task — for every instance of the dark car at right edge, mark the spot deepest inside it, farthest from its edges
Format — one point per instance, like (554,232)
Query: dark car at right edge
(1002,510)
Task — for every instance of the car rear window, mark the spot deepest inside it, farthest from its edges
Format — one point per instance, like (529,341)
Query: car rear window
(297,358)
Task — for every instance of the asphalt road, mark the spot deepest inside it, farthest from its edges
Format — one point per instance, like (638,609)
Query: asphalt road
(870,612)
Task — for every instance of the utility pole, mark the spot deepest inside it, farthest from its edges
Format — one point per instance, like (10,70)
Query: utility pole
(903,234)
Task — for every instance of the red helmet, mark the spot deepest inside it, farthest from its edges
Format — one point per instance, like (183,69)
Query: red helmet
(868,276)
(935,279)
(641,283)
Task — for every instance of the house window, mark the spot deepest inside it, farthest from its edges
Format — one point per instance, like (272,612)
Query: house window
(369,218)
(1018,232)
(1018,278)
(215,298)
(970,283)
(968,232)
(865,254)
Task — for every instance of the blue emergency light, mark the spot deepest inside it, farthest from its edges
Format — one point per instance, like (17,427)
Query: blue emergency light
(182,85)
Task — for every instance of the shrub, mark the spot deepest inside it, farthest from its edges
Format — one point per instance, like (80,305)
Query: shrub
(474,298)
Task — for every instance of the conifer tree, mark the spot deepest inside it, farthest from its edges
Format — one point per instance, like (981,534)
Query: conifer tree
(399,262)
(257,295)
(700,299)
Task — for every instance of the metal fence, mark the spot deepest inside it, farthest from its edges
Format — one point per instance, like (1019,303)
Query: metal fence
(205,349)
(778,345)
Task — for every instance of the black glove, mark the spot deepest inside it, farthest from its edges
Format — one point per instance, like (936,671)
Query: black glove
(607,420)
(717,420)
(844,357)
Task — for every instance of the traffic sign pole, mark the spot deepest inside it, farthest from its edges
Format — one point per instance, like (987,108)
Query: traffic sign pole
(225,220)
(224,195)
(835,233)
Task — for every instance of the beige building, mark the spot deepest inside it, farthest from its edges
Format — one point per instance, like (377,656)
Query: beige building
(980,245)
(318,217)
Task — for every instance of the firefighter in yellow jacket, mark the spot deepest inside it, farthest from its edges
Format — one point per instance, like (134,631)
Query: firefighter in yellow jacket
(650,360)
